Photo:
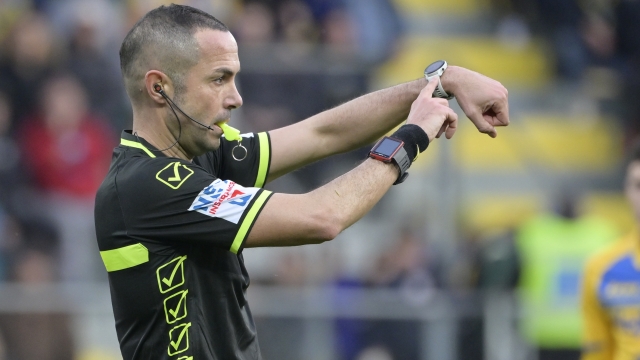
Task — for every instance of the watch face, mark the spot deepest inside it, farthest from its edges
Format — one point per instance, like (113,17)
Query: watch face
(434,67)
(387,147)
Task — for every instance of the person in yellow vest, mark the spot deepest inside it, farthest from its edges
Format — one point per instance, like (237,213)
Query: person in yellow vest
(611,289)
(554,248)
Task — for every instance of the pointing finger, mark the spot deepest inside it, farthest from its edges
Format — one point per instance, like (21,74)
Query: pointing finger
(428,90)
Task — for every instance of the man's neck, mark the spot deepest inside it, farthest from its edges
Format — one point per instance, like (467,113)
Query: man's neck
(161,138)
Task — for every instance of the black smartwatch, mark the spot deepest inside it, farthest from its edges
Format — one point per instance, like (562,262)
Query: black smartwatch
(390,149)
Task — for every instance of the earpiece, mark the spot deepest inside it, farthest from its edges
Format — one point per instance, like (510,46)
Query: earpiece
(158,88)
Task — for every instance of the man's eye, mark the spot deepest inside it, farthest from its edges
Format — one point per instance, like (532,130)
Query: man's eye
(219,80)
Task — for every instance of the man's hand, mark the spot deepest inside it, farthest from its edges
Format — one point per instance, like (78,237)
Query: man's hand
(483,100)
(433,115)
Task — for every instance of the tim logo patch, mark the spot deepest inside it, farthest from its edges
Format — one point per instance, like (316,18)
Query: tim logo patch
(223,199)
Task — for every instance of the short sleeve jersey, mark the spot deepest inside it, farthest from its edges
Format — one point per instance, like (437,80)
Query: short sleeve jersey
(611,302)
(171,234)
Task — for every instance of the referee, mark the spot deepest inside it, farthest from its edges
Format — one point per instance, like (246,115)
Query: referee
(181,202)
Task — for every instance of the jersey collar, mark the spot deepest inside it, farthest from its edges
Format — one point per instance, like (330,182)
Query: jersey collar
(129,140)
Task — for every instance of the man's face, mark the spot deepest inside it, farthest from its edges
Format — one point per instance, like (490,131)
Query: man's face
(632,187)
(210,91)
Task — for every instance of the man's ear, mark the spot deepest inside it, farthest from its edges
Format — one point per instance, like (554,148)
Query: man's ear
(153,79)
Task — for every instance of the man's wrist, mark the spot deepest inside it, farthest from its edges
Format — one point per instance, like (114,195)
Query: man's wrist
(415,139)
(449,79)
(391,149)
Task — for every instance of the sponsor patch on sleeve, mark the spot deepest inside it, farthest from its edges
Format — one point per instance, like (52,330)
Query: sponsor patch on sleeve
(223,199)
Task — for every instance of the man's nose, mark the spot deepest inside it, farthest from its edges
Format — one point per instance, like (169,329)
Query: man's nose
(234,100)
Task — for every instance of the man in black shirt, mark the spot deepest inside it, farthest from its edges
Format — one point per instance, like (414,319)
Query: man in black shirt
(181,202)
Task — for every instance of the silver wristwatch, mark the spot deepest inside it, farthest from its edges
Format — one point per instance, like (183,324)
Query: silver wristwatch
(433,71)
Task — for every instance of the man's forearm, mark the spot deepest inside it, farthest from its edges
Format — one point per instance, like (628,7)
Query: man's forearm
(325,212)
(366,118)
(352,195)
(343,128)
(289,220)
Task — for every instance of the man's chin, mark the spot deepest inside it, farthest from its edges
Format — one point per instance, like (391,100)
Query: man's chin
(213,144)
(209,144)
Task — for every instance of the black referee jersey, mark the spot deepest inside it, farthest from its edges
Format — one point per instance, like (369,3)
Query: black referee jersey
(171,233)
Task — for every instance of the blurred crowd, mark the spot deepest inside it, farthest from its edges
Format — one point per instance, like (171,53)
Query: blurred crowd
(592,41)
(62,106)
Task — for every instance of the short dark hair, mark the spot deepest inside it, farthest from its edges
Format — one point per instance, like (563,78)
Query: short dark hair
(164,38)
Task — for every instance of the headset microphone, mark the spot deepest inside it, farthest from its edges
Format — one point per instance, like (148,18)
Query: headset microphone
(230,133)
(157,88)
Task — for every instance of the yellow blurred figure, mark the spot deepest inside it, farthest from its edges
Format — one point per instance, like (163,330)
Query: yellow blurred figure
(611,289)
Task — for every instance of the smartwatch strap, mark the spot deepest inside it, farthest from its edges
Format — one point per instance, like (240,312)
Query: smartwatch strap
(401,158)
(439,91)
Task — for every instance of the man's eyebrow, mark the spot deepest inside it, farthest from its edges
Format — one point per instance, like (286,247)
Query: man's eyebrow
(225,71)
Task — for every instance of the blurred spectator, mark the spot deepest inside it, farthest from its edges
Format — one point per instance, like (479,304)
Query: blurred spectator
(499,263)
(45,336)
(221,9)
(366,31)
(67,148)
(486,264)
(42,336)
(10,13)
(410,268)
(627,17)
(67,151)
(10,242)
(374,353)
(18,236)
(98,74)
(378,29)
(554,248)
(374,25)
(292,270)
(255,25)
(30,58)
(598,34)
(92,31)
(340,34)
(581,32)
(12,178)
(560,21)
(297,23)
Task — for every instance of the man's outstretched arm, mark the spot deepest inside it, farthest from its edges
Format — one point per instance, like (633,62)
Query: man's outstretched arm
(365,119)
(322,214)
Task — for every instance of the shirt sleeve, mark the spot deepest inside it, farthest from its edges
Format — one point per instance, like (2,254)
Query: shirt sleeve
(598,338)
(175,201)
(245,162)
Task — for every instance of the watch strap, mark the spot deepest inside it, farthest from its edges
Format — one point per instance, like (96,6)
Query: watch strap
(401,158)
(439,91)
